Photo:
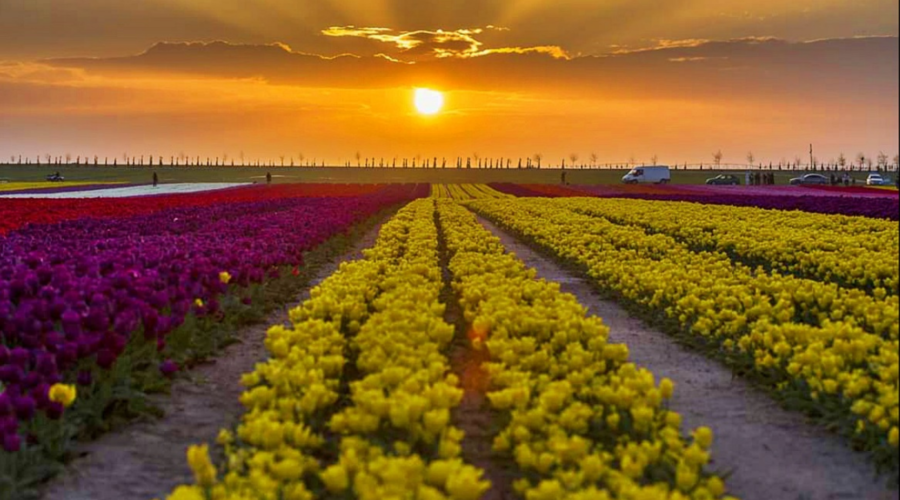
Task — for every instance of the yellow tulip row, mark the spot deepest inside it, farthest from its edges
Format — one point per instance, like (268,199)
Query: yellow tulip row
(22,186)
(583,422)
(792,299)
(441,191)
(848,375)
(850,251)
(465,191)
(373,330)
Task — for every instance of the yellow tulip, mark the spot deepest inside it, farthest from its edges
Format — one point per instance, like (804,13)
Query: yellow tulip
(63,394)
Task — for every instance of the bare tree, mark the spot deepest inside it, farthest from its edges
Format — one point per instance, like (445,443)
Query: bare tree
(281,157)
(574,158)
(896,162)
(717,158)
(842,161)
(594,159)
(358,159)
(654,159)
(538,157)
(632,161)
(750,158)
(882,159)
(860,160)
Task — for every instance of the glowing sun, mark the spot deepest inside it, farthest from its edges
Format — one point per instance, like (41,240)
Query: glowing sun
(429,102)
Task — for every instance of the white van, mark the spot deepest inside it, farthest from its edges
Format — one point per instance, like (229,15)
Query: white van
(648,175)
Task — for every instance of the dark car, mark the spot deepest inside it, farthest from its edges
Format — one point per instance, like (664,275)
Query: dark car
(724,180)
(55,178)
(810,180)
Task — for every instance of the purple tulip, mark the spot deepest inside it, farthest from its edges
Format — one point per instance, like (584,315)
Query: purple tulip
(97,320)
(168,368)
(41,395)
(57,308)
(9,424)
(20,357)
(159,300)
(105,358)
(24,407)
(12,443)
(151,320)
(54,410)
(84,378)
(11,374)
(30,380)
(6,407)
(87,345)
(71,322)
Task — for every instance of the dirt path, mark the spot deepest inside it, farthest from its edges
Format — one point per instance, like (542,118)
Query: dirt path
(474,415)
(147,460)
(773,453)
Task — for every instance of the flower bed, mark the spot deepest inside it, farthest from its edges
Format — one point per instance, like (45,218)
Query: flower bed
(115,304)
(852,252)
(465,191)
(832,353)
(869,204)
(581,422)
(373,331)
(17,213)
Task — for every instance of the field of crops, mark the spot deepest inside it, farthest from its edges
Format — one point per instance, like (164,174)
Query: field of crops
(437,332)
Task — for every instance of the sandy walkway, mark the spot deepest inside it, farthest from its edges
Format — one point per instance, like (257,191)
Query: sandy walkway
(125,192)
(147,460)
(773,453)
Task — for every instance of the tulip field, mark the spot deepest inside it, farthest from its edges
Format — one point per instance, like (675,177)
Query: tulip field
(361,396)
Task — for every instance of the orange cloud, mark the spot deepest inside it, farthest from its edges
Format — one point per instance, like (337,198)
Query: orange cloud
(439,44)
(718,70)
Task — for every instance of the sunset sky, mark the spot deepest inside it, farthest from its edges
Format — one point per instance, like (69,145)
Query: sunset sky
(679,79)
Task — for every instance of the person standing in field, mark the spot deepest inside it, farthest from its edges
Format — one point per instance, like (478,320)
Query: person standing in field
(155,179)
(268,178)
(563,176)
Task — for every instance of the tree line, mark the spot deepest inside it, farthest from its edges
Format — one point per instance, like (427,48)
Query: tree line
(862,162)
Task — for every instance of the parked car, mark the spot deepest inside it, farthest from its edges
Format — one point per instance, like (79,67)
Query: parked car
(648,175)
(55,177)
(877,180)
(724,180)
(810,180)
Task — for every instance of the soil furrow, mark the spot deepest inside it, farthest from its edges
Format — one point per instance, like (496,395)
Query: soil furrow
(473,415)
